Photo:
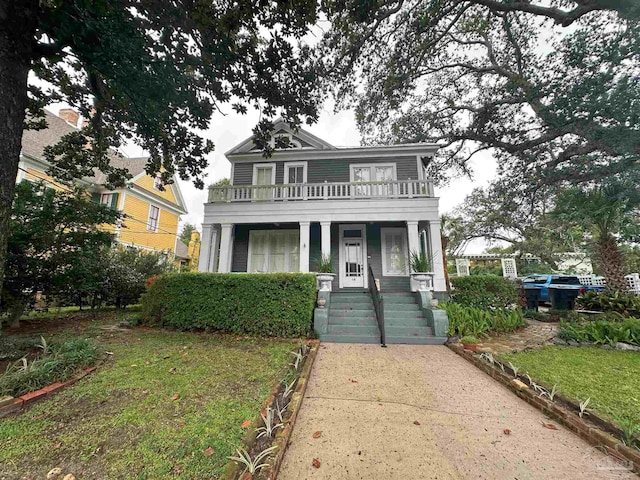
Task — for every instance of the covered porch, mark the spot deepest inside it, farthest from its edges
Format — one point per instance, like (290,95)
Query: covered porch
(354,246)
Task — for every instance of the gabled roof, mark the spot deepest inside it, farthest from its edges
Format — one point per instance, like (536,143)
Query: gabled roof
(35,141)
(307,140)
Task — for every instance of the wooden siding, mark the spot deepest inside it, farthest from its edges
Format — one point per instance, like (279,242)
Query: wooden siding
(330,170)
(167,194)
(136,227)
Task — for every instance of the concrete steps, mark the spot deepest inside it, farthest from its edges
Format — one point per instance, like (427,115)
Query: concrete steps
(352,319)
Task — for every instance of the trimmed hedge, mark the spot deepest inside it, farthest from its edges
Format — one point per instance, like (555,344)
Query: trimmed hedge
(272,304)
(484,291)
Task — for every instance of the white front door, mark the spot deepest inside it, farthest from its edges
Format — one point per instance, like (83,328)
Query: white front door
(353,255)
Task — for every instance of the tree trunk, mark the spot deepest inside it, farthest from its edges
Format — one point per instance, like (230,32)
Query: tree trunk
(18,21)
(612,263)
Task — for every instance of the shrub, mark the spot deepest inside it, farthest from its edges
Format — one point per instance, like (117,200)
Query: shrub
(57,363)
(484,291)
(274,304)
(602,331)
(477,322)
(626,304)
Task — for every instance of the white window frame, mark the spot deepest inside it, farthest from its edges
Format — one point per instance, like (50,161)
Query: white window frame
(287,258)
(371,166)
(108,195)
(393,231)
(288,165)
(151,206)
(157,183)
(256,166)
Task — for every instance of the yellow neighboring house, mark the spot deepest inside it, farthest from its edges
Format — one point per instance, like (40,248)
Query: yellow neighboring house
(151,212)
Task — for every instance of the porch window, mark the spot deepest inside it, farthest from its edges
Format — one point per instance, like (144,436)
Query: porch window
(264,174)
(274,251)
(395,257)
(373,174)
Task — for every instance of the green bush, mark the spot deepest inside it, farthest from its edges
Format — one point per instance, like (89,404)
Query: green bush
(602,331)
(57,362)
(626,304)
(274,304)
(477,322)
(484,291)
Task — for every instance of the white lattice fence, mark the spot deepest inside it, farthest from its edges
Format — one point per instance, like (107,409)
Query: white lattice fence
(633,280)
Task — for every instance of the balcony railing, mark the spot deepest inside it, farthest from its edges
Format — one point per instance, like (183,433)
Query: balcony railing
(321,191)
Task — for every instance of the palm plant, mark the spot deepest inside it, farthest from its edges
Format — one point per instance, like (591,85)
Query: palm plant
(610,211)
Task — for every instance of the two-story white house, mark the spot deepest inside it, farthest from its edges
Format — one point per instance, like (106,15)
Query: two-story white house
(366,207)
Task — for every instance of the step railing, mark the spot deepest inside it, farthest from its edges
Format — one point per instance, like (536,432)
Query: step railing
(378,305)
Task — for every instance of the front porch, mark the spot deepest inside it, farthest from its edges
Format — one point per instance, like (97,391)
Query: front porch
(385,246)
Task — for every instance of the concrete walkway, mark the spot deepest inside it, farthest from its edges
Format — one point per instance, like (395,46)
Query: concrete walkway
(423,412)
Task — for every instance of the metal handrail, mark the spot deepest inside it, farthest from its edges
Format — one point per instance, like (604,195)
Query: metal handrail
(378,306)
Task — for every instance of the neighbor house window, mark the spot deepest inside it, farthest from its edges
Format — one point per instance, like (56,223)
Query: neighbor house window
(110,200)
(154,217)
(157,183)
(274,251)
(395,257)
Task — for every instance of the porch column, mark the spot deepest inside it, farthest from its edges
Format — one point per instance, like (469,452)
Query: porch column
(205,248)
(226,248)
(325,235)
(304,247)
(413,237)
(439,283)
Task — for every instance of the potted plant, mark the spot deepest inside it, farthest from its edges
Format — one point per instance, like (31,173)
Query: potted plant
(421,270)
(325,274)
(469,342)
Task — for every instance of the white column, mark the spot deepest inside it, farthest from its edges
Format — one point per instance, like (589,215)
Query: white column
(226,248)
(205,248)
(304,247)
(413,237)
(325,234)
(439,284)
(212,266)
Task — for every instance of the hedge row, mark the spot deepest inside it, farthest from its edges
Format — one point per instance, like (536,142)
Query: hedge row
(275,304)
(484,291)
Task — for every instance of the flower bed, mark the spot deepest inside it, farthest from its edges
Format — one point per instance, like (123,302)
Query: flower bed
(266,441)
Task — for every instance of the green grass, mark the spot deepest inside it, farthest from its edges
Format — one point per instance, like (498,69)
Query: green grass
(609,377)
(122,421)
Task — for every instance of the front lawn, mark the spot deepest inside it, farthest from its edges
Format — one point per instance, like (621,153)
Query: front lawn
(609,377)
(165,405)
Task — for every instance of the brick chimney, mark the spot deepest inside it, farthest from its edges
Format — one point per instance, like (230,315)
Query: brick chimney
(69,115)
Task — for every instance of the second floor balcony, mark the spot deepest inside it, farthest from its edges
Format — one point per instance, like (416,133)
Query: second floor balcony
(322,191)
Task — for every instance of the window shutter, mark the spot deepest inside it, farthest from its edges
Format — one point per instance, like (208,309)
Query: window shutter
(114,201)
(95,197)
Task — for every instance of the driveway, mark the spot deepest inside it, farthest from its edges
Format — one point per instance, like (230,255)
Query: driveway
(423,412)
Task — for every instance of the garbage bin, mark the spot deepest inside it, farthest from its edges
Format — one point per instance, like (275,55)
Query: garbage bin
(532,294)
(563,297)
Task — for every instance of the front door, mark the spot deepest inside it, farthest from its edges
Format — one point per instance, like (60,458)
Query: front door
(353,267)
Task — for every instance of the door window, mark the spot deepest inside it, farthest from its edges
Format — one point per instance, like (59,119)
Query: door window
(395,258)
(263,175)
(376,178)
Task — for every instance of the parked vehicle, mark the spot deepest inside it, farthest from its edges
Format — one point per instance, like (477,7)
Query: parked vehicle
(543,281)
